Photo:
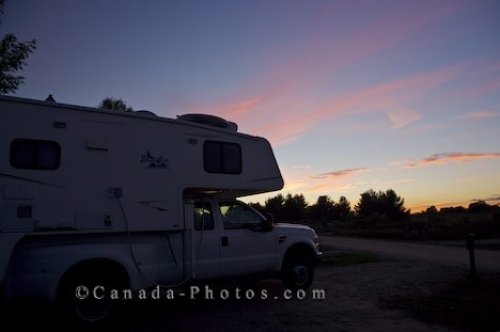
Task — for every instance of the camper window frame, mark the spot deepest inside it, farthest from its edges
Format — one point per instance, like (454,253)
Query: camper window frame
(37,146)
(224,164)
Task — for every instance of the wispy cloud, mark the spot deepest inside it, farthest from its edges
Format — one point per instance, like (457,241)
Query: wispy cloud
(478,115)
(401,117)
(286,94)
(240,109)
(390,26)
(308,182)
(232,110)
(340,173)
(323,188)
(445,158)
(490,199)
(392,97)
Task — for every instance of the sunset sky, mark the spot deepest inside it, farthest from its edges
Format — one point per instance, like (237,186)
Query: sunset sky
(353,95)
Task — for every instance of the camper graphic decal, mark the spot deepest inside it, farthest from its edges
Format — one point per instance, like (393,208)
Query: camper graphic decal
(154,162)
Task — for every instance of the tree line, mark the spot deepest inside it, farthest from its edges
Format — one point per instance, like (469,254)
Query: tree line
(295,208)
(372,205)
(479,206)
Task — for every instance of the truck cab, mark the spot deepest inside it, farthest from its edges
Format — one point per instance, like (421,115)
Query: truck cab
(231,239)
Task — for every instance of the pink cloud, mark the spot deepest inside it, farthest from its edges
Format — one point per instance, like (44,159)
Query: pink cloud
(401,117)
(328,187)
(308,182)
(340,173)
(293,116)
(285,129)
(488,86)
(234,111)
(386,28)
(492,198)
(445,158)
(280,102)
(478,115)
(481,79)
(390,97)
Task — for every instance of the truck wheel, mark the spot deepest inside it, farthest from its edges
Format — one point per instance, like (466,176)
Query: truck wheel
(77,300)
(298,271)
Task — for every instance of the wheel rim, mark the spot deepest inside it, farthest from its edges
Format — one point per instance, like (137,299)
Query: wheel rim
(300,274)
(92,310)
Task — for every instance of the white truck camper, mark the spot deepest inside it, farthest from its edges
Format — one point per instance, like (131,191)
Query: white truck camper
(131,200)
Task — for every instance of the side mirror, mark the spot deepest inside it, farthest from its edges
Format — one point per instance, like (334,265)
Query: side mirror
(268,223)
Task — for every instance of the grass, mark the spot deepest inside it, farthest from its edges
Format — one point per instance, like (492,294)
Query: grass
(348,258)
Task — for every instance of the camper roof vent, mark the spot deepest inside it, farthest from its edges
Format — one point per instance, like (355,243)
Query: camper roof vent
(146,113)
(209,120)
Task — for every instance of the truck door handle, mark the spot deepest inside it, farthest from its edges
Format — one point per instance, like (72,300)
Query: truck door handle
(282,238)
(224,240)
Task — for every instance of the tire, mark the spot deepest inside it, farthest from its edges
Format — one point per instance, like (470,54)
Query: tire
(298,271)
(79,305)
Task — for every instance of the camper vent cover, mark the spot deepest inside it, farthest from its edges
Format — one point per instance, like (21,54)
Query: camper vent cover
(146,113)
(209,120)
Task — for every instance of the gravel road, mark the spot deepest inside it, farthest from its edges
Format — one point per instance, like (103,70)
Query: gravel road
(428,252)
(357,297)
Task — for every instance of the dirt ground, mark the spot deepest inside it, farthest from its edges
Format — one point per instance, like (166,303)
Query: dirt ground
(385,295)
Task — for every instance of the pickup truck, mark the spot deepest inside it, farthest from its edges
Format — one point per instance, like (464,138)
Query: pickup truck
(225,238)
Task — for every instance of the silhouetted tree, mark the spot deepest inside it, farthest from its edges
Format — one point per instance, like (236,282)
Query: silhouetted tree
(453,209)
(13,55)
(323,209)
(295,207)
(383,203)
(479,207)
(115,104)
(431,210)
(432,214)
(342,208)
(394,206)
(275,206)
(368,204)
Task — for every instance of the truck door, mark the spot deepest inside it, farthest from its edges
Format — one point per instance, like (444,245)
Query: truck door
(244,248)
(206,238)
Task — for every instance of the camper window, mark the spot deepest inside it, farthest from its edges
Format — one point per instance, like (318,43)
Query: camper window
(35,154)
(222,157)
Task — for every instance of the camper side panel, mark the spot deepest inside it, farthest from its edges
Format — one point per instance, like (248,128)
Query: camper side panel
(107,172)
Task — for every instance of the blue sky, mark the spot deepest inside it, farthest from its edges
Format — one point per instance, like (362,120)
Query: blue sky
(353,95)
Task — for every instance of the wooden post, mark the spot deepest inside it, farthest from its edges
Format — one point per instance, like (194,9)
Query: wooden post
(472,259)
